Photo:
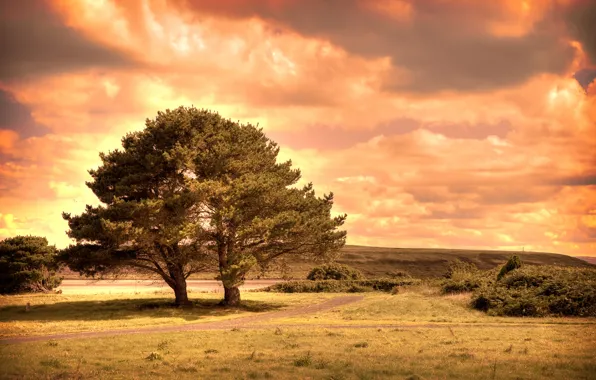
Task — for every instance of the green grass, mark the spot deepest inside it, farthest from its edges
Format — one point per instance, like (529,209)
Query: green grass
(419,262)
(554,352)
(57,313)
(420,305)
(438,337)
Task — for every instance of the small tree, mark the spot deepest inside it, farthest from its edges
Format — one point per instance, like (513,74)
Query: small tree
(27,264)
(194,189)
(513,263)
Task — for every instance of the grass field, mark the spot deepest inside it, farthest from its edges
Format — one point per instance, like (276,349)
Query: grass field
(554,352)
(431,337)
(57,313)
(422,305)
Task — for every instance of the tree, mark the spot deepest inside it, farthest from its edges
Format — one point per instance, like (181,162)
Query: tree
(149,218)
(27,264)
(194,189)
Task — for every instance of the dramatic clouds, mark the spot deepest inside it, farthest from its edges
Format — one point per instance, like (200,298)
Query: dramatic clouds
(436,123)
(433,45)
(34,41)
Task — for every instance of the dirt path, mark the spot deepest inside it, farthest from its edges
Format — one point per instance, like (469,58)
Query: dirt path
(218,325)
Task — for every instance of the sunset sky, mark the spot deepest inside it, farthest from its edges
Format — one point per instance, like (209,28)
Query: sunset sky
(436,123)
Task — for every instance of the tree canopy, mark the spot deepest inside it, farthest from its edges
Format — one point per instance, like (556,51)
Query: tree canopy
(194,191)
(27,264)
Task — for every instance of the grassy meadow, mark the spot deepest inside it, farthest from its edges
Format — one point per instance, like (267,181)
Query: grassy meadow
(418,333)
(419,329)
(530,352)
(61,314)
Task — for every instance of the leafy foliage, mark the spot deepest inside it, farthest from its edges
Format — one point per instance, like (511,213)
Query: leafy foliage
(340,286)
(27,264)
(513,263)
(194,191)
(463,277)
(334,271)
(399,274)
(458,268)
(539,291)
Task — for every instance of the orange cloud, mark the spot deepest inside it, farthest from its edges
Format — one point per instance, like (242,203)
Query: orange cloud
(424,143)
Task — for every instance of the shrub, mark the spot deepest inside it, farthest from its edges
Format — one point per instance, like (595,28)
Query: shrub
(464,277)
(304,361)
(460,286)
(334,271)
(399,274)
(27,264)
(513,263)
(458,268)
(335,286)
(540,291)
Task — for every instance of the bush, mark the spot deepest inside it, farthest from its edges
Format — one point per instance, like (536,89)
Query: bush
(464,277)
(458,269)
(27,264)
(340,286)
(539,291)
(513,263)
(399,274)
(334,271)
(460,286)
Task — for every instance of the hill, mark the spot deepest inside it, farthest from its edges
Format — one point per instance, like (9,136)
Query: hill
(425,263)
(380,262)
(590,259)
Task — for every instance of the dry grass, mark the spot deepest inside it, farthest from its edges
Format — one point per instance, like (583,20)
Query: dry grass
(460,343)
(58,313)
(560,352)
(420,305)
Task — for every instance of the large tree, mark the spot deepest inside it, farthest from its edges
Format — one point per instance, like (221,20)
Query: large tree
(27,264)
(193,189)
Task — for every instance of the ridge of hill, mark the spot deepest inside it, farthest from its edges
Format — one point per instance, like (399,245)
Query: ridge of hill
(431,262)
(590,259)
(375,262)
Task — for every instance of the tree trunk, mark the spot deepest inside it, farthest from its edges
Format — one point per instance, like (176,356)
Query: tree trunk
(231,296)
(181,293)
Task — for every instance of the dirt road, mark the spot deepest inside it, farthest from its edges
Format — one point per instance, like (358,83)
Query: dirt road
(142,286)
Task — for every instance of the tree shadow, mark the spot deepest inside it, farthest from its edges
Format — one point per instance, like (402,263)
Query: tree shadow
(129,309)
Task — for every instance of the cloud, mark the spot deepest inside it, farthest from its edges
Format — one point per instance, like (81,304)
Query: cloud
(506,167)
(585,77)
(16,116)
(580,21)
(35,42)
(436,46)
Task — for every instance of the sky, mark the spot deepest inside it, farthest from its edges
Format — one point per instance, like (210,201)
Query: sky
(436,123)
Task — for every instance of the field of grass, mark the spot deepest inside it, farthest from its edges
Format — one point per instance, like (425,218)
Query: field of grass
(419,262)
(559,352)
(421,305)
(57,313)
(432,336)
